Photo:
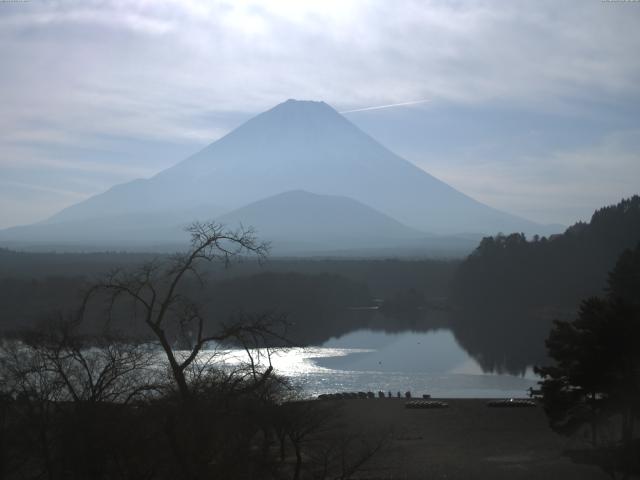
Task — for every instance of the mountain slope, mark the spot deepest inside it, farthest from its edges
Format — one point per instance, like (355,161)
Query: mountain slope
(308,146)
(294,222)
(137,229)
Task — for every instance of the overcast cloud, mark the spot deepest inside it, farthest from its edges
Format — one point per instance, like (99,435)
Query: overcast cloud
(545,92)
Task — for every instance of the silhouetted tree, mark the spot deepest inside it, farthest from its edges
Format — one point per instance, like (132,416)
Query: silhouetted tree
(596,375)
(161,304)
(60,386)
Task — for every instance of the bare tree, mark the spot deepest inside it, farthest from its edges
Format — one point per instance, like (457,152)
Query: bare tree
(108,367)
(347,454)
(160,303)
(60,388)
(323,442)
(301,420)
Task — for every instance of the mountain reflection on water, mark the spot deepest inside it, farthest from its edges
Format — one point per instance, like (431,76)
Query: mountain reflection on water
(429,362)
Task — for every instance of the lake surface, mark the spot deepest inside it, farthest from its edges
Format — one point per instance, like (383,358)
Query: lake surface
(421,362)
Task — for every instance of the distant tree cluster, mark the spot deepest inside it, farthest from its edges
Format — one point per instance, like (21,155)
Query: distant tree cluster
(317,294)
(316,304)
(559,270)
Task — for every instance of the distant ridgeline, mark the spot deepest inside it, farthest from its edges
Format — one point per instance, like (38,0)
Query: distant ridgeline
(509,290)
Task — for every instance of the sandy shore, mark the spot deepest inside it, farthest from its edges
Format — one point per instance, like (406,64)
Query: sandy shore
(468,440)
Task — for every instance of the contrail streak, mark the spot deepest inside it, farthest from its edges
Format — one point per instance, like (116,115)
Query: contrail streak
(379,107)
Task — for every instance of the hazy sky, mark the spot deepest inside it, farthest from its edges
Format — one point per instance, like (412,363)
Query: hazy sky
(534,106)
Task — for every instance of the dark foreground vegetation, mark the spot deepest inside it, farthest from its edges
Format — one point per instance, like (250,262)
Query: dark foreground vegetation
(81,405)
(593,386)
(74,407)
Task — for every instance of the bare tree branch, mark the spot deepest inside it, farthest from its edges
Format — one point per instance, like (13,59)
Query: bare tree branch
(155,288)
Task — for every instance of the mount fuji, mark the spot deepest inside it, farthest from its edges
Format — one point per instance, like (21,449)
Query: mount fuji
(298,146)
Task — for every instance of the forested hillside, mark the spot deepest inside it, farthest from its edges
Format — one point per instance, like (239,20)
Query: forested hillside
(560,270)
(510,289)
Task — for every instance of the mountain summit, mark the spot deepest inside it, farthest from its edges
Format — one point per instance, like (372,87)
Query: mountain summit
(300,145)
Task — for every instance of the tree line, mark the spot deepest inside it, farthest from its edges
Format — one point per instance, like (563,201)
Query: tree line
(510,289)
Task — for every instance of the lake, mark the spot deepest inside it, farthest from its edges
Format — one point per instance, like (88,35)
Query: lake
(421,362)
